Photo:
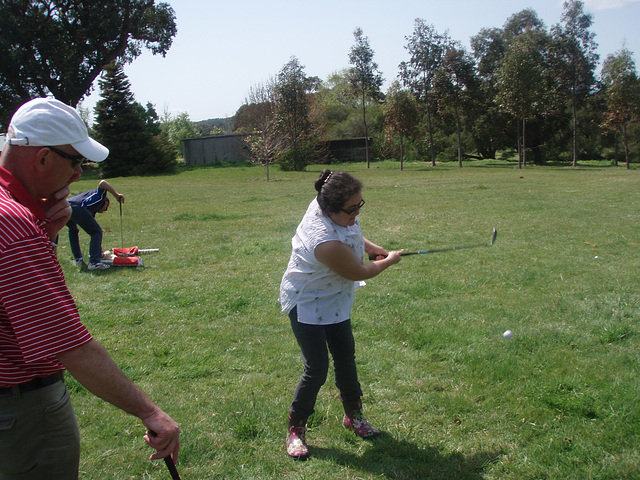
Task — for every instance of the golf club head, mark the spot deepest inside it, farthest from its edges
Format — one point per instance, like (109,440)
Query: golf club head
(493,238)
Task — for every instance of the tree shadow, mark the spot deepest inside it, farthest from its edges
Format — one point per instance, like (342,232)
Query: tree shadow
(388,457)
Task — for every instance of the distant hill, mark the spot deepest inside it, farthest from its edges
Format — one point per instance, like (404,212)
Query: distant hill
(206,126)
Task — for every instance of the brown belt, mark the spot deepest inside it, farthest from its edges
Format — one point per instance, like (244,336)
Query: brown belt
(34,384)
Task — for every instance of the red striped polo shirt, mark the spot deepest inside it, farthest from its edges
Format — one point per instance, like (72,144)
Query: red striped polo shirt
(38,317)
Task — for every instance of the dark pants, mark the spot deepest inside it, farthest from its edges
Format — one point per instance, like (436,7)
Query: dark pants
(39,436)
(313,341)
(81,217)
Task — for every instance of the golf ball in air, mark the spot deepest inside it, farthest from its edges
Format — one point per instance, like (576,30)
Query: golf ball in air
(507,334)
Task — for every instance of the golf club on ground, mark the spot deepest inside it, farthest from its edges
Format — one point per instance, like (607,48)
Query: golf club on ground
(447,249)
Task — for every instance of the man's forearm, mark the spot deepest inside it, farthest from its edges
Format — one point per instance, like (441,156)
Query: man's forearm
(91,365)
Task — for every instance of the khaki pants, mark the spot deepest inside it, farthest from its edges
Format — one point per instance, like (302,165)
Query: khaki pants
(39,435)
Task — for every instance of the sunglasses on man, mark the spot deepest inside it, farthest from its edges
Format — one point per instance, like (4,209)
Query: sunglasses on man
(76,160)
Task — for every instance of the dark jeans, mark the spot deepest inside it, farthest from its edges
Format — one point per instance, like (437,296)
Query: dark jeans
(313,341)
(81,217)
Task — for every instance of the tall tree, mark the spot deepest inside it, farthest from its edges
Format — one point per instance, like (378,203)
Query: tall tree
(59,47)
(365,78)
(493,128)
(454,82)
(524,82)
(401,115)
(490,127)
(622,94)
(575,60)
(291,96)
(425,47)
(121,126)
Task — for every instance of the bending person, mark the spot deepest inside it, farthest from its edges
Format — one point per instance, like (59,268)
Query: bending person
(84,208)
(317,292)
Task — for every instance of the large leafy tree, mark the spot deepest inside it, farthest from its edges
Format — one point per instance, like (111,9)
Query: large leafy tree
(524,81)
(622,94)
(59,47)
(504,83)
(425,47)
(365,79)
(575,60)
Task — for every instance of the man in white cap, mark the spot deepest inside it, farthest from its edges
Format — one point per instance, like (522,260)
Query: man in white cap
(40,330)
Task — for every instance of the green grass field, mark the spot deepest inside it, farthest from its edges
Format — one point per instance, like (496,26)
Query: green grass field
(200,329)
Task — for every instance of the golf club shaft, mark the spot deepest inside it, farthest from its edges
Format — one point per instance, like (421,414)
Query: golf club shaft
(494,235)
(168,462)
(447,249)
(172,468)
(121,237)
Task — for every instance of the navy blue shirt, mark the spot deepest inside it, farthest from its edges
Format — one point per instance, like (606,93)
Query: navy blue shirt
(92,200)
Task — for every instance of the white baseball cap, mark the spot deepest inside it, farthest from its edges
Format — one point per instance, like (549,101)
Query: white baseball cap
(47,122)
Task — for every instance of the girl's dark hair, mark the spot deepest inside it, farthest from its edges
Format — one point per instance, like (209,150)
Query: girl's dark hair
(334,189)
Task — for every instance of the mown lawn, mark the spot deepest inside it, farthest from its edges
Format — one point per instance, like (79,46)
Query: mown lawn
(199,326)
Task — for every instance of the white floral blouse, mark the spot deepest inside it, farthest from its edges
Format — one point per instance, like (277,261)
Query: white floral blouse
(322,296)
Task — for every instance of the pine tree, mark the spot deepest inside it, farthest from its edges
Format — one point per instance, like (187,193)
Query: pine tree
(122,127)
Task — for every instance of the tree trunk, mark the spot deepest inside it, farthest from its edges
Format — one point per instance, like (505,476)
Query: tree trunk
(519,143)
(459,137)
(401,152)
(433,154)
(364,121)
(524,142)
(575,131)
(625,141)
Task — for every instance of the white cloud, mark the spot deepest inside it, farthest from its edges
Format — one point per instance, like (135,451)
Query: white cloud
(608,4)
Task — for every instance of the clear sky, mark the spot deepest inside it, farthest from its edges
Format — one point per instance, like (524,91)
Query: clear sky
(222,49)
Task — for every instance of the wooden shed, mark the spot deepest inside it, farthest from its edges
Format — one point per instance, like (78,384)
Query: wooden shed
(214,149)
(230,148)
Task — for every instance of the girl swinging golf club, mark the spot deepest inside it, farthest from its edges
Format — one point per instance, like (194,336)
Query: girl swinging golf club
(317,292)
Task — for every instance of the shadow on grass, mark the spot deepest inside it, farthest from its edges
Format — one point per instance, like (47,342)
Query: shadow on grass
(392,458)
